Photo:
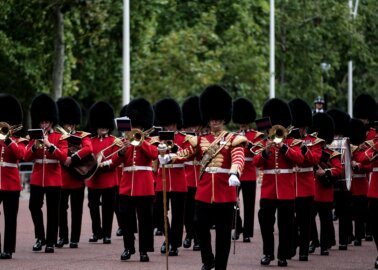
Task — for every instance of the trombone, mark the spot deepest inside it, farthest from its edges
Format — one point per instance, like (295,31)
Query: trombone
(7,130)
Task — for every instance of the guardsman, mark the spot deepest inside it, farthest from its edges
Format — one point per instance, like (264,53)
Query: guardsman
(304,174)
(168,115)
(244,114)
(136,189)
(12,150)
(46,178)
(342,197)
(103,184)
(277,159)
(364,109)
(326,173)
(79,154)
(222,160)
(192,124)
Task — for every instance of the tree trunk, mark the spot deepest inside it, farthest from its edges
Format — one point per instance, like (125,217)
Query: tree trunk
(58,68)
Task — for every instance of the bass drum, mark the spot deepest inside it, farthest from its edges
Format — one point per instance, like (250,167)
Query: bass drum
(342,146)
(85,169)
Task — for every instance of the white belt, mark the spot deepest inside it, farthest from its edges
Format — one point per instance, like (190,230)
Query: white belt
(216,170)
(375,169)
(7,164)
(195,163)
(277,171)
(300,170)
(171,166)
(248,159)
(46,161)
(361,175)
(137,168)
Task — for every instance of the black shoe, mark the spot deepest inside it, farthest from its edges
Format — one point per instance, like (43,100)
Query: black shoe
(235,235)
(119,232)
(266,259)
(196,247)
(187,243)
(163,248)
(5,256)
(127,254)
(312,247)
(303,258)
(158,233)
(74,245)
(144,257)
(95,238)
(282,262)
(107,240)
(38,245)
(343,247)
(49,249)
(173,252)
(246,240)
(324,252)
(376,263)
(357,243)
(368,238)
(208,266)
(61,242)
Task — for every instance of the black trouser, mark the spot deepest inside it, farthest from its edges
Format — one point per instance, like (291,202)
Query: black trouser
(116,208)
(10,200)
(76,197)
(285,219)
(248,189)
(359,210)
(52,205)
(324,209)
(303,210)
(373,216)
(220,214)
(107,196)
(342,207)
(176,226)
(189,214)
(140,206)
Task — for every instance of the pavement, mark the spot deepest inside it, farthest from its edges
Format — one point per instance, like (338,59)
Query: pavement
(99,256)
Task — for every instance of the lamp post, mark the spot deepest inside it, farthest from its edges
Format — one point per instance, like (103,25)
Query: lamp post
(353,13)
(126,53)
(272,52)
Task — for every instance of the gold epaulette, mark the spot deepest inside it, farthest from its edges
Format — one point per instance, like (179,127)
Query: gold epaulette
(154,140)
(238,140)
(259,134)
(84,134)
(296,142)
(193,140)
(353,148)
(370,143)
(64,136)
(319,141)
(335,154)
(22,140)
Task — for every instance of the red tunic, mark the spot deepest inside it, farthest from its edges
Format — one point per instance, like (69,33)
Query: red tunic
(9,158)
(278,177)
(69,181)
(47,169)
(304,173)
(175,172)
(104,177)
(360,177)
(137,178)
(325,193)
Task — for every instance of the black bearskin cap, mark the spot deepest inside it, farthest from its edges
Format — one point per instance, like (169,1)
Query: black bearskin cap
(364,107)
(69,111)
(278,111)
(243,111)
(215,104)
(341,120)
(43,108)
(122,113)
(10,109)
(167,112)
(140,112)
(191,114)
(301,113)
(323,124)
(101,115)
(357,132)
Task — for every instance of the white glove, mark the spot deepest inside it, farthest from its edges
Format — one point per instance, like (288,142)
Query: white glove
(163,160)
(233,181)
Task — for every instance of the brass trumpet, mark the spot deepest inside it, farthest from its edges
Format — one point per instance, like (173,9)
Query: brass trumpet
(6,130)
(278,133)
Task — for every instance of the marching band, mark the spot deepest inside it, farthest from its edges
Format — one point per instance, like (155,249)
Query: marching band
(309,163)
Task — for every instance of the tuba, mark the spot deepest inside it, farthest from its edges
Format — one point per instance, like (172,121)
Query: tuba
(6,130)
